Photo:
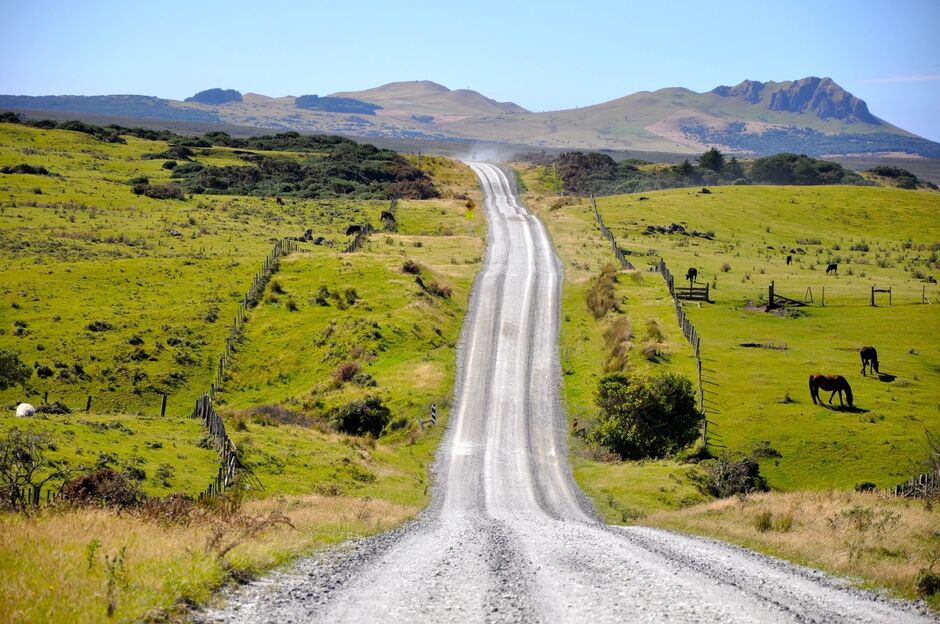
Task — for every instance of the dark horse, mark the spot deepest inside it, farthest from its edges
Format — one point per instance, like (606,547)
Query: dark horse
(830,383)
(691,274)
(869,359)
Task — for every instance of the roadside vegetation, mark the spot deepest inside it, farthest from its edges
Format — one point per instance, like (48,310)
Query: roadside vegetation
(582,173)
(124,296)
(764,431)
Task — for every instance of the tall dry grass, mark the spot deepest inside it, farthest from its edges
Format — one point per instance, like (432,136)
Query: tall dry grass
(66,566)
(887,542)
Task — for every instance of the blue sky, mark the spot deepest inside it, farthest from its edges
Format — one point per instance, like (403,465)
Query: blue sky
(542,55)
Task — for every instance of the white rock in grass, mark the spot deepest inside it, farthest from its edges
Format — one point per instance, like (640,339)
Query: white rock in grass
(25,409)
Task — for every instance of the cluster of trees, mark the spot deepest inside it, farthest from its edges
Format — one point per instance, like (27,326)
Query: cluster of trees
(344,168)
(901,178)
(216,96)
(583,173)
(336,104)
(336,167)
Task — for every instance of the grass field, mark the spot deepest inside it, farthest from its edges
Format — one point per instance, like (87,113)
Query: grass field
(84,248)
(78,247)
(757,363)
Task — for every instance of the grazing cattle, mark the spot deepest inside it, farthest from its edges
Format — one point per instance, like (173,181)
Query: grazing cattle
(789,259)
(387,216)
(353,229)
(705,191)
(644,198)
(25,409)
(280,202)
(830,383)
(691,274)
(832,268)
(173,232)
(869,359)
(318,240)
(308,234)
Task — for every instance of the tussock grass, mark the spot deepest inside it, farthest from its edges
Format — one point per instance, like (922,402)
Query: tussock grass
(54,565)
(601,296)
(886,542)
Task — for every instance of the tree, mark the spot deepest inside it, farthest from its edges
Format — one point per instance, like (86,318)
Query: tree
(24,466)
(645,417)
(712,159)
(12,370)
(684,168)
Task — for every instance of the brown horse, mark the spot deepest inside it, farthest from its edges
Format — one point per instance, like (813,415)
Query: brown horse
(830,383)
(869,359)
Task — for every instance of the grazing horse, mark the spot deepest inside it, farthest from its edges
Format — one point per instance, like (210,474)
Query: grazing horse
(832,268)
(869,359)
(830,383)
(691,274)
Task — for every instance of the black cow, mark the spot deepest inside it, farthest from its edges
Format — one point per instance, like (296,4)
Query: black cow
(789,259)
(832,268)
(691,274)
(353,229)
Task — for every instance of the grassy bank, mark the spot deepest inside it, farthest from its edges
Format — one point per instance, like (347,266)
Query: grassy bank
(883,542)
(57,566)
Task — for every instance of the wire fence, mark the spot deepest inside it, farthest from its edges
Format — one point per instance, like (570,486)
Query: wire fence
(610,237)
(688,329)
(204,410)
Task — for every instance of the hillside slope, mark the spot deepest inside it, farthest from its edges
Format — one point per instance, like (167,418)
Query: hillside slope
(812,115)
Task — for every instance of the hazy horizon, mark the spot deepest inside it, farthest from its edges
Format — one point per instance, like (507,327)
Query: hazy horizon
(542,56)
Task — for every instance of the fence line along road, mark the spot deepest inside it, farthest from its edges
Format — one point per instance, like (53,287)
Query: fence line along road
(688,330)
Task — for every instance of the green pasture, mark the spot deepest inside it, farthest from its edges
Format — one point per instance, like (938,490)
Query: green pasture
(757,363)
(123,298)
(170,454)
(167,275)
(760,393)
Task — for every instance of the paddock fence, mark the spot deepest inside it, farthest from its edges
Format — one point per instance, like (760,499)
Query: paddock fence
(688,329)
(922,486)
(626,264)
(204,409)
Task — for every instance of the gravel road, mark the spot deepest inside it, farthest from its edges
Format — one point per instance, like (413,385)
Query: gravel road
(508,536)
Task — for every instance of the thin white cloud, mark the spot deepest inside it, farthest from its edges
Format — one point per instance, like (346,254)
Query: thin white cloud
(907,78)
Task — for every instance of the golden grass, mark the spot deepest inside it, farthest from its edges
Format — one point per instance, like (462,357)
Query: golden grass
(54,566)
(884,541)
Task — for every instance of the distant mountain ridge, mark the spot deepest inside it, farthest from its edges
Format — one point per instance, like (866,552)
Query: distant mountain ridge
(819,96)
(812,115)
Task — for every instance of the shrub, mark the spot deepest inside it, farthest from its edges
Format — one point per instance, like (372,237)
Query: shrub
(927,583)
(368,416)
(351,296)
(56,407)
(725,267)
(440,290)
(322,296)
(729,476)
(346,372)
(12,369)
(99,326)
(102,488)
(645,417)
(27,169)
(159,191)
(411,267)
(277,288)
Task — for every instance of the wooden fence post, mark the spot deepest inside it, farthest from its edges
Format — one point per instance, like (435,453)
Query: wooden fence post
(163,406)
(88,404)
